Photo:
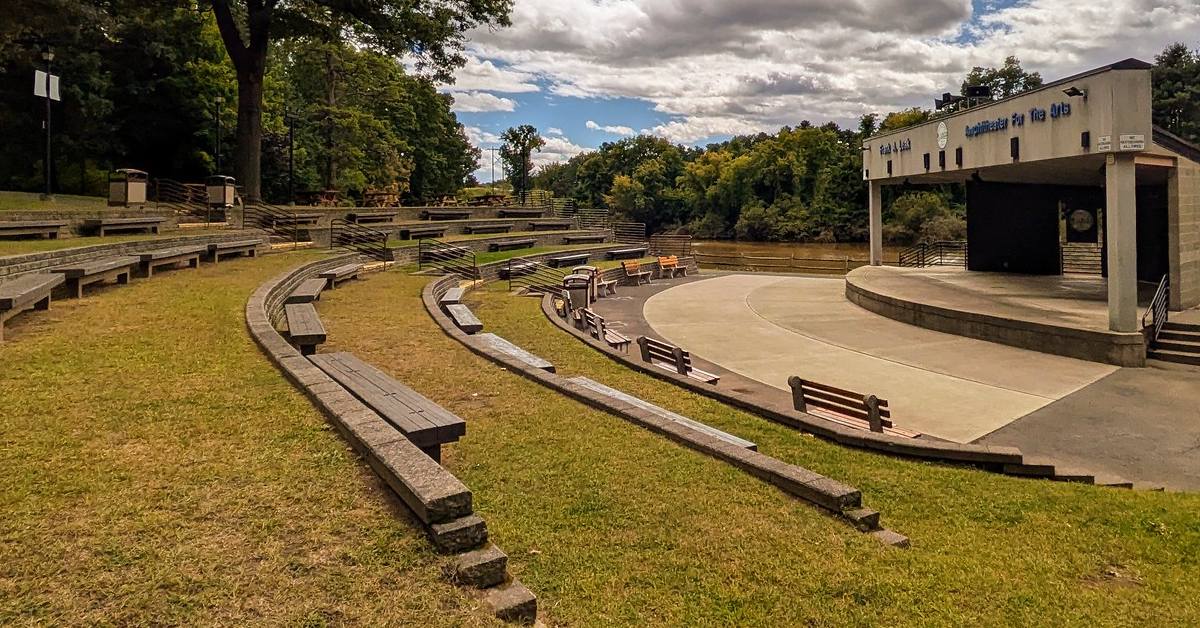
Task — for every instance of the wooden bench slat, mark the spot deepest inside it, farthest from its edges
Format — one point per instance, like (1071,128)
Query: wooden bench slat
(308,291)
(582,239)
(304,326)
(506,347)
(509,245)
(464,318)
(631,252)
(452,296)
(15,293)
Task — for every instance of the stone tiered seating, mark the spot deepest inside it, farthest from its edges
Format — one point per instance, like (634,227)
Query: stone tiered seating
(426,424)
(27,292)
(346,272)
(105,226)
(187,254)
(488,227)
(672,358)
(585,238)
(663,412)
(305,329)
(630,253)
(375,217)
(503,346)
(248,248)
(308,291)
(422,232)
(551,224)
(445,214)
(43,228)
(844,407)
(511,245)
(79,275)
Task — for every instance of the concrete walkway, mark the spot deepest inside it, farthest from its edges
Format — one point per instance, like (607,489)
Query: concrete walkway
(768,328)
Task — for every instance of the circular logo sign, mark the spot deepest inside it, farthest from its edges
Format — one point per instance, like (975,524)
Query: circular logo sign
(943,135)
(1082,220)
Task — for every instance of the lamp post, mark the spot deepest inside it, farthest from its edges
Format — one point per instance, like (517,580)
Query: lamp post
(493,150)
(291,122)
(48,56)
(219,100)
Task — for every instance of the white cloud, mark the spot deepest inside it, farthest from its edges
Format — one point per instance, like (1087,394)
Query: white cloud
(484,75)
(481,101)
(613,130)
(554,131)
(557,149)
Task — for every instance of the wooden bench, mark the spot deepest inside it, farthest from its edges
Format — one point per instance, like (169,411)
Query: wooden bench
(423,422)
(488,227)
(613,393)
(604,287)
(844,407)
(27,292)
(119,269)
(445,214)
(511,245)
(551,224)
(105,226)
(669,267)
(452,296)
(566,308)
(464,318)
(585,238)
(249,248)
(292,220)
(189,254)
(594,324)
(363,218)
(50,229)
(517,268)
(631,253)
(308,291)
(503,346)
(421,233)
(633,270)
(559,261)
(671,358)
(305,329)
(511,212)
(345,272)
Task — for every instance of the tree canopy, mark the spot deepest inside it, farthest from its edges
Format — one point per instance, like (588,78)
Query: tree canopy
(519,144)
(1177,91)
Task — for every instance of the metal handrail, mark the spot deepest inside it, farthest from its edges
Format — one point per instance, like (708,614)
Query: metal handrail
(941,253)
(265,217)
(450,259)
(541,279)
(1156,315)
(349,235)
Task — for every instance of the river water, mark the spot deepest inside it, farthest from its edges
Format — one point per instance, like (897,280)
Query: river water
(856,251)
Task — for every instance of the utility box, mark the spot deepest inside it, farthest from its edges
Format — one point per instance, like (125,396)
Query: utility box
(127,187)
(222,191)
(579,288)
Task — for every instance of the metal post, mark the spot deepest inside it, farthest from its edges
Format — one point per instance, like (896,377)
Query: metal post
(217,118)
(48,56)
(291,159)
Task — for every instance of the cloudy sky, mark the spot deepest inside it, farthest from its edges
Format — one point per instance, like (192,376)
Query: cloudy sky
(694,71)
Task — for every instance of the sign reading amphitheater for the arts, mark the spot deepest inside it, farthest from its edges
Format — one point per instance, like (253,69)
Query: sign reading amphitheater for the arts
(1036,114)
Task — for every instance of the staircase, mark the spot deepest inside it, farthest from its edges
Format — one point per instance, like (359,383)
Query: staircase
(1082,258)
(1177,342)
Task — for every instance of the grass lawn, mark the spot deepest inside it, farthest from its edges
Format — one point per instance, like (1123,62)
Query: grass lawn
(25,201)
(158,470)
(20,247)
(611,524)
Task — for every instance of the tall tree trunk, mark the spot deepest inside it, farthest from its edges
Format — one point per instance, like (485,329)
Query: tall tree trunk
(247,160)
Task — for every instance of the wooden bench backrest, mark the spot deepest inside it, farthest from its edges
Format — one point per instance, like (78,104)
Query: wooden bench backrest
(658,350)
(838,400)
(594,322)
(667,262)
(632,267)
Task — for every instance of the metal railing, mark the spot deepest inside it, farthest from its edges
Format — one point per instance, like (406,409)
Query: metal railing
(355,237)
(628,232)
(946,253)
(669,244)
(281,223)
(1156,315)
(447,258)
(186,199)
(790,264)
(532,276)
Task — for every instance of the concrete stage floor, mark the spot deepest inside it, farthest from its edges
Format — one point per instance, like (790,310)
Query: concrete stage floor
(768,328)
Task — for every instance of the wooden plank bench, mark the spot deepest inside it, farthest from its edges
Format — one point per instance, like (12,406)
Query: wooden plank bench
(423,422)
(595,386)
(76,276)
(421,233)
(633,270)
(551,224)
(515,212)
(566,308)
(249,248)
(27,292)
(345,272)
(517,268)
(503,346)
(445,214)
(49,229)
(452,296)
(305,329)
(464,318)
(293,220)
(844,407)
(559,261)
(363,218)
(488,227)
(671,358)
(105,226)
(585,238)
(511,245)
(630,253)
(669,267)
(187,254)
(594,324)
(308,291)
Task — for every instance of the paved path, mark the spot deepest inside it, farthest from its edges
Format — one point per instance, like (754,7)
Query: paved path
(770,327)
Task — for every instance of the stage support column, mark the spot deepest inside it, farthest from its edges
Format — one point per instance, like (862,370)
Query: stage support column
(876,228)
(1121,231)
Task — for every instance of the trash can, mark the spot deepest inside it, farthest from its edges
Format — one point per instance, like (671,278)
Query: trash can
(579,288)
(127,187)
(590,272)
(221,191)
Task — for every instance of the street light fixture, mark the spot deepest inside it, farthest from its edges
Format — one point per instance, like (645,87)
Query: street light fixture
(48,56)
(290,118)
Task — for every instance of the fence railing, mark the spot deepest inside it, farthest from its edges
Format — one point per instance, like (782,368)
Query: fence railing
(532,276)
(946,253)
(669,244)
(185,199)
(447,258)
(628,232)
(781,264)
(1156,315)
(370,242)
(282,224)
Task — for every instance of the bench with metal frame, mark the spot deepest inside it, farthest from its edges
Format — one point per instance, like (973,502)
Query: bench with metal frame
(248,248)
(671,358)
(342,273)
(633,270)
(423,422)
(305,329)
(487,227)
(173,256)
(844,407)
(668,266)
(26,292)
(79,275)
(595,325)
(511,245)
(49,229)
(105,226)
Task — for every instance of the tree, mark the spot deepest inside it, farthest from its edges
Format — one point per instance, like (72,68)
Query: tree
(1007,80)
(900,119)
(1177,91)
(433,32)
(518,144)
